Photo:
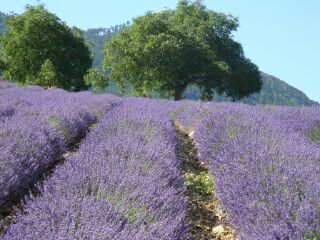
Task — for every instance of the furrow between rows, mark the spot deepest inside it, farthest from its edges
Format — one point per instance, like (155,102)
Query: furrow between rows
(206,215)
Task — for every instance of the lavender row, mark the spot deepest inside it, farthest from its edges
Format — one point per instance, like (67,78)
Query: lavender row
(190,114)
(266,170)
(37,126)
(302,121)
(4,84)
(126,183)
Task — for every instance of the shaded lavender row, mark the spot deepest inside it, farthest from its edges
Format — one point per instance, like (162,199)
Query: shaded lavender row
(4,84)
(6,110)
(267,171)
(36,126)
(126,183)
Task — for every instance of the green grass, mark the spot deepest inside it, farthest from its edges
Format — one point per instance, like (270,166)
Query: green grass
(314,135)
(312,236)
(201,183)
(132,212)
(58,124)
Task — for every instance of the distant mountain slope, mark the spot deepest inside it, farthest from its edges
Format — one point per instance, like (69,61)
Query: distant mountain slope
(97,37)
(274,91)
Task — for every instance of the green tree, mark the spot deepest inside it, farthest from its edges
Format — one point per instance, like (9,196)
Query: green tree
(38,41)
(170,50)
(95,79)
(47,76)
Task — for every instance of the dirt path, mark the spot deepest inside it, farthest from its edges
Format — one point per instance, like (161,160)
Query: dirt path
(207,219)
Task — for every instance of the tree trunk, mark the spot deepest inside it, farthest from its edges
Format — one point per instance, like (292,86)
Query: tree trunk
(178,94)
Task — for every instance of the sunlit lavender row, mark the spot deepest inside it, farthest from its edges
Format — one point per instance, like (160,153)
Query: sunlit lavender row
(36,127)
(266,168)
(126,180)
(125,183)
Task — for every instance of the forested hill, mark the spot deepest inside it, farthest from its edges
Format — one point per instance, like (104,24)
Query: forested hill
(274,91)
(97,37)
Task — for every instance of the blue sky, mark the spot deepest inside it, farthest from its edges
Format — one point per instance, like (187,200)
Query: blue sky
(281,36)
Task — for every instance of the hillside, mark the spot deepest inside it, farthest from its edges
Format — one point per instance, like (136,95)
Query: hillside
(274,91)
(97,37)
(133,132)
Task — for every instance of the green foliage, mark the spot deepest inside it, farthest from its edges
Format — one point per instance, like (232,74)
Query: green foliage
(167,51)
(47,76)
(273,92)
(314,135)
(201,183)
(95,79)
(313,236)
(3,28)
(38,44)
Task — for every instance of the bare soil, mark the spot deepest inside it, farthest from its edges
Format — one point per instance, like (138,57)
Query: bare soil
(207,217)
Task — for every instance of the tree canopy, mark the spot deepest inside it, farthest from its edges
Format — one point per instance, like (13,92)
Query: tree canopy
(95,79)
(40,49)
(169,50)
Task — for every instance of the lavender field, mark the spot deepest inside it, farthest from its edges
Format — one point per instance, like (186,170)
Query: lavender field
(125,178)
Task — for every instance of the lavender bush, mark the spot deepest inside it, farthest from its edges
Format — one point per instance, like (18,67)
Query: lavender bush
(36,126)
(126,180)
(4,84)
(266,170)
(126,183)
(305,121)
(189,114)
